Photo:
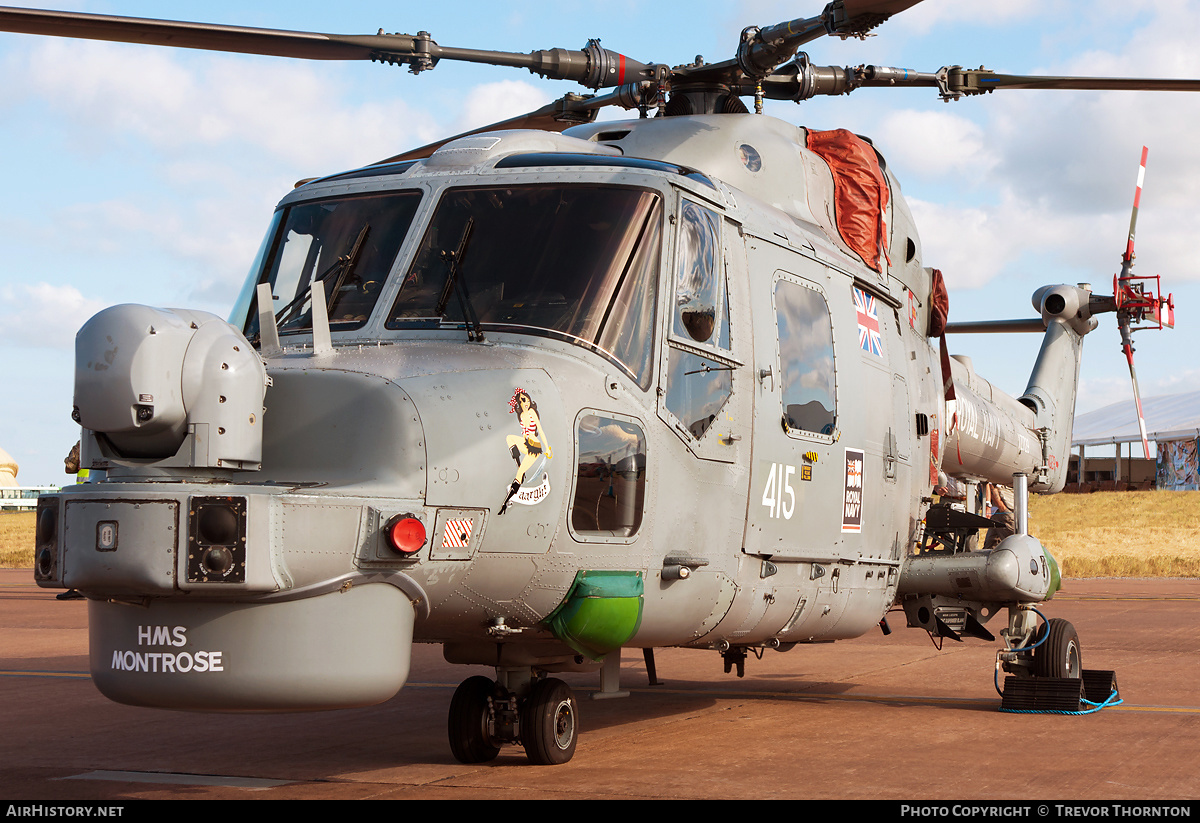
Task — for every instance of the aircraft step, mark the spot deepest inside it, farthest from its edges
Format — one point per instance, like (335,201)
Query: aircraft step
(956,619)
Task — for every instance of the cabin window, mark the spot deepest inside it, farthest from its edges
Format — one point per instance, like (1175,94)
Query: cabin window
(610,480)
(698,374)
(697,388)
(698,292)
(349,243)
(806,358)
(578,262)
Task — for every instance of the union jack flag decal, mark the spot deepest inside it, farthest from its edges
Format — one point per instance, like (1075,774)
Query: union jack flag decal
(869,339)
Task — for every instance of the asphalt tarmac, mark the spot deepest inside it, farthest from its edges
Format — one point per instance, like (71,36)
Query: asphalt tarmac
(872,718)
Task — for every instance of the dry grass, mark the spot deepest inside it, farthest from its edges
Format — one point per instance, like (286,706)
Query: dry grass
(1120,534)
(1107,534)
(16,540)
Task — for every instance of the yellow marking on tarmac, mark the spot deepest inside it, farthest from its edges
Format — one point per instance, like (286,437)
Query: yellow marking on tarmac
(1170,709)
(887,698)
(19,673)
(863,698)
(1101,598)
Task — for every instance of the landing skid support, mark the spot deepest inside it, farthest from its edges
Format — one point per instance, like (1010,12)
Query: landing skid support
(610,677)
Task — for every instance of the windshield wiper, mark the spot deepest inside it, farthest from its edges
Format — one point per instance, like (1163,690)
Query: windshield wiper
(455,283)
(344,266)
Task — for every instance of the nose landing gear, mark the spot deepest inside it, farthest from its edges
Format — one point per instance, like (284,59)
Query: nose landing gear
(1059,655)
(1047,673)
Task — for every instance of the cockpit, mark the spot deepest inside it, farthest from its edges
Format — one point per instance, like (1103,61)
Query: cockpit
(574,261)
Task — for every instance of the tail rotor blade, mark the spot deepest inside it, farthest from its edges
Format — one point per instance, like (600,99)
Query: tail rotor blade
(1127,259)
(1127,347)
(1125,312)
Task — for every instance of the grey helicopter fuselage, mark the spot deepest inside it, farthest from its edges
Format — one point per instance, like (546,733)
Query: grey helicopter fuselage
(637,357)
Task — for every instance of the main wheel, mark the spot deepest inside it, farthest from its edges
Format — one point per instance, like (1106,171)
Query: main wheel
(1059,655)
(468,724)
(549,723)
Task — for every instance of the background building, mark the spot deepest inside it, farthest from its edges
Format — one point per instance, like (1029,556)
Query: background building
(1172,423)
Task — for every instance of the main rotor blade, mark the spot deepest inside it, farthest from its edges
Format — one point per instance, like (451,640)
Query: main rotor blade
(979,81)
(557,116)
(593,66)
(844,18)
(271,42)
(800,80)
(762,49)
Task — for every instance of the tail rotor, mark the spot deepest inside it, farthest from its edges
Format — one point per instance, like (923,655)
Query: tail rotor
(1139,303)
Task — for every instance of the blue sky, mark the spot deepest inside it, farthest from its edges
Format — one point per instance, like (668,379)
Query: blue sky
(146,175)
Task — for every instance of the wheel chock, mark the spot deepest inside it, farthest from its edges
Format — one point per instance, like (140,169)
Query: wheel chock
(1072,695)
(1099,686)
(1041,694)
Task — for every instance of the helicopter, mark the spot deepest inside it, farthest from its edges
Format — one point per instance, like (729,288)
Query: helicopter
(557,388)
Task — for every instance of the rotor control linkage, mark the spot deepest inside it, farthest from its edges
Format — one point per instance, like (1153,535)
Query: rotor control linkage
(591,66)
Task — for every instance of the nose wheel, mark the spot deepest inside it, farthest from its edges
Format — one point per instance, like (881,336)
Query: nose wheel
(1052,678)
(1059,655)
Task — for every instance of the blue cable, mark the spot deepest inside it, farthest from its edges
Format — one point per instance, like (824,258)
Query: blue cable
(1113,699)
(1096,707)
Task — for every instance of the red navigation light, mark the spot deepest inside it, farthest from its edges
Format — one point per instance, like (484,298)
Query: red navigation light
(405,534)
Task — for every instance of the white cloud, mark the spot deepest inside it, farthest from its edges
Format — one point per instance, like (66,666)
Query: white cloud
(1046,178)
(493,102)
(43,315)
(974,245)
(935,143)
(932,13)
(177,102)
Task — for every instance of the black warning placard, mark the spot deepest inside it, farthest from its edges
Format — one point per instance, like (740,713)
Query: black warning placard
(852,495)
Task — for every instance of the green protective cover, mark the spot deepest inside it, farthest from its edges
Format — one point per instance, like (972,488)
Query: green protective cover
(1055,575)
(601,611)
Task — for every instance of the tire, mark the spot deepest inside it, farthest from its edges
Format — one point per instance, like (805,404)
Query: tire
(1059,656)
(550,723)
(468,723)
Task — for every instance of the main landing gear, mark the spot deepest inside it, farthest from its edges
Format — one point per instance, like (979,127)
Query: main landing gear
(541,715)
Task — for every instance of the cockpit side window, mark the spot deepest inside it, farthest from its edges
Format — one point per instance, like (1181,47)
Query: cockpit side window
(806,358)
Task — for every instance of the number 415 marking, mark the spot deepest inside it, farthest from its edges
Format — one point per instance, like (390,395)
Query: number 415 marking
(779,489)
